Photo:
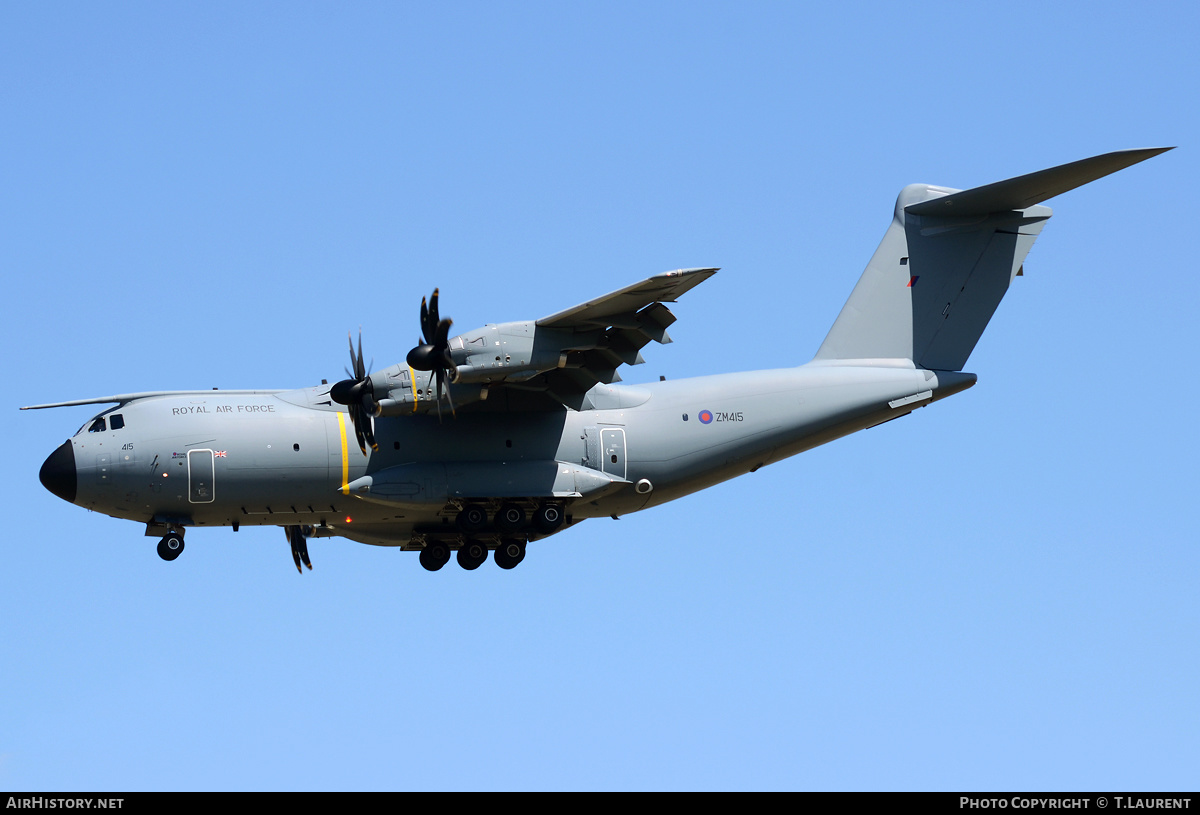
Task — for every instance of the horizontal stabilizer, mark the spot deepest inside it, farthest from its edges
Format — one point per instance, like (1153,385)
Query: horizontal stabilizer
(1034,188)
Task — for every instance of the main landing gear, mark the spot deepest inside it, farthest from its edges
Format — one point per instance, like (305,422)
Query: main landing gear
(435,555)
(472,554)
(171,545)
(508,533)
(509,553)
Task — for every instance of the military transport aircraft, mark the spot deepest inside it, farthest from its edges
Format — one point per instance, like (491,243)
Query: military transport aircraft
(509,433)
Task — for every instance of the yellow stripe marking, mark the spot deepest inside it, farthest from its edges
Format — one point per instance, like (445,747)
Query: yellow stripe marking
(345,454)
(412,377)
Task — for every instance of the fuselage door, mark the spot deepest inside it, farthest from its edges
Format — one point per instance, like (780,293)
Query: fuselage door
(200,476)
(612,445)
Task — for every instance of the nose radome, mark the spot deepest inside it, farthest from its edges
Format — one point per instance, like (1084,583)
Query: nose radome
(58,472)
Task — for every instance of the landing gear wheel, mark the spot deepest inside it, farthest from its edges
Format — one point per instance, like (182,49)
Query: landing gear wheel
(510,552)
(510,518)
(472,519)
(171,546)
(472,555)
(548,518)
(434,556)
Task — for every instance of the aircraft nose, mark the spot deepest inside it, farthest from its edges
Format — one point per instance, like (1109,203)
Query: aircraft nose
(58,472)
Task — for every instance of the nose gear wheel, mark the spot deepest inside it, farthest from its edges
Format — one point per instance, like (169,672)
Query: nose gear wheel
(171,546)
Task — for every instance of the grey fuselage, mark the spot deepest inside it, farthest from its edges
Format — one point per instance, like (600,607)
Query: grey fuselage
(534,437)
(222,458)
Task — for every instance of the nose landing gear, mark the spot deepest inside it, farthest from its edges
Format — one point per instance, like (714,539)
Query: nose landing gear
(171,545)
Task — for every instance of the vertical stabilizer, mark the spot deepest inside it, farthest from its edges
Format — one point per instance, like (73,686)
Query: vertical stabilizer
(945,263)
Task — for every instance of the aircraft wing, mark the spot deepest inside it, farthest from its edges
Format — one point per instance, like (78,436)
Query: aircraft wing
(622,305)
(530,364)
(597,337)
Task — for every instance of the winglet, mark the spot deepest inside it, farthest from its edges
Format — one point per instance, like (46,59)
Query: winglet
(1026,190)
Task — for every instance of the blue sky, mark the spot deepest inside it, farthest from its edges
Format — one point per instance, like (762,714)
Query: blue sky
(997,592)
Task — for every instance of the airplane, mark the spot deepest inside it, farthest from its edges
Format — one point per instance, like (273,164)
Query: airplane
(510,433)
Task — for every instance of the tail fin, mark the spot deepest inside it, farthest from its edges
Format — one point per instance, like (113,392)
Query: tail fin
(947,260)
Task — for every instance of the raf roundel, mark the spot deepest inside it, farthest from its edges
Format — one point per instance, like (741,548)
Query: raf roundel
(706,417)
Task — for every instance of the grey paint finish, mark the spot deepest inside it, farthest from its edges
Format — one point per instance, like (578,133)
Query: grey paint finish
(946,261)
(1034,188)
(933,284)
(273,466)
(541,426)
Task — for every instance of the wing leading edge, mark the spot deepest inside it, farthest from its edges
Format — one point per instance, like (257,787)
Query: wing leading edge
(624,303)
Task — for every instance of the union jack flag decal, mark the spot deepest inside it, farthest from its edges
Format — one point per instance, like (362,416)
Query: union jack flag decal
(218,454)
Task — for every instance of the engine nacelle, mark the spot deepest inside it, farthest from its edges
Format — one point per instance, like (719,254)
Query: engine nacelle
(502,352)
(509,352)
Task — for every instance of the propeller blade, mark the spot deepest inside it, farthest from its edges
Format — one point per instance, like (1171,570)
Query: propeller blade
(433,354)
(358,395)
(369,432)
(450,399)
(432,323)
(357,432)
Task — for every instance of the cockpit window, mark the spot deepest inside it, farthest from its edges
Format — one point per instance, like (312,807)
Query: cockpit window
(97,426)
(116,421)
